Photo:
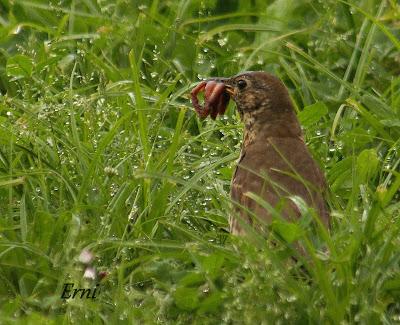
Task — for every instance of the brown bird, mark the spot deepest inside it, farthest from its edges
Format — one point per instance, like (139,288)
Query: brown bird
(274,162)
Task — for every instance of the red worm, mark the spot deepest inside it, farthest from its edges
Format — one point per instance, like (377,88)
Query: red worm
(215,98)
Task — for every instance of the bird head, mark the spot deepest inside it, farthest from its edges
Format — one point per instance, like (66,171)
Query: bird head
(258,93)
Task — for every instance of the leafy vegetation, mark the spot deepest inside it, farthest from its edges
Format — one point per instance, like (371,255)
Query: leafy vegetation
(101,150)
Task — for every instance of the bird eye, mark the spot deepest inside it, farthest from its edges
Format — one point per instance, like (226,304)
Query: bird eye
(241,84)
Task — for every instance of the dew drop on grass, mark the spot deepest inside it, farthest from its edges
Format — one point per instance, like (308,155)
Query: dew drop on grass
(222,41)
(17,30)
(200,59)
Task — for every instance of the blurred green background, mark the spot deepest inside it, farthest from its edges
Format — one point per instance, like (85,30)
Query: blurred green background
(100,149)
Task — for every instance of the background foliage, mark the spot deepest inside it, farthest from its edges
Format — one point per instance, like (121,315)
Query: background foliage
(101,150)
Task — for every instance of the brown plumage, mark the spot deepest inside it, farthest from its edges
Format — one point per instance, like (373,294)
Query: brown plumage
(274,162)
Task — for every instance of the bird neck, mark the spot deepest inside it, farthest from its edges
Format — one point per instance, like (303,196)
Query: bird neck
(258,126)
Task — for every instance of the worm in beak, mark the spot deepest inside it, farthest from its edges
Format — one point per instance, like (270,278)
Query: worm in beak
(216,97)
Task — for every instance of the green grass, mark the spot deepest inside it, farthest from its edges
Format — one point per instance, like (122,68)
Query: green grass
(101,149)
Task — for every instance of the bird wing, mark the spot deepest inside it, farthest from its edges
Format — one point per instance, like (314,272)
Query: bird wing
(289,169)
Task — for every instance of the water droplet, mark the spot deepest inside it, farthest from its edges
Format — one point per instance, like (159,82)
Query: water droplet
(222,41)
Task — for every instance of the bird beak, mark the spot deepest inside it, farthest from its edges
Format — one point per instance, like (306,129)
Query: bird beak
(230,90)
